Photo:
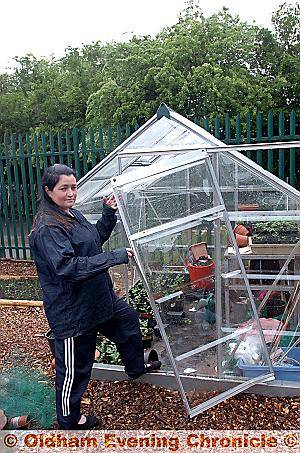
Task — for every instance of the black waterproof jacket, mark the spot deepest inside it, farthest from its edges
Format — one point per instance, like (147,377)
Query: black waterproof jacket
(72,269)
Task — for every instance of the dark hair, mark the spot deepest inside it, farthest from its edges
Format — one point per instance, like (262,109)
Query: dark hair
(45,203)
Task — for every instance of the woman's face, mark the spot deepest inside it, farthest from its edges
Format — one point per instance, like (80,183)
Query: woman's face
(64,193)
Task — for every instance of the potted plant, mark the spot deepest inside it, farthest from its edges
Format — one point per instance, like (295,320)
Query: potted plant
(138,299)
(147,333)
(275,232)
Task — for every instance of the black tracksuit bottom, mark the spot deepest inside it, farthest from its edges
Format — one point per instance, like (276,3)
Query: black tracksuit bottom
(74,359)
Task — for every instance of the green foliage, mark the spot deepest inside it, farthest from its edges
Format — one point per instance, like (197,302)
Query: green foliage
(145,329)
(275,232)
(165,284)
(26,288)
(138,298)
(27,392)
(108,352)
(200,66)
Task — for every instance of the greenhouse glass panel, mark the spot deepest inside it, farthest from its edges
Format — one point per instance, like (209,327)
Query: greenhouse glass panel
(234,311)
(166,132)
(244,189)
(169,197)
(186,210)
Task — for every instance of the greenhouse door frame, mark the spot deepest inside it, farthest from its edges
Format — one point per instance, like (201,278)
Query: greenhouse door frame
(217,212)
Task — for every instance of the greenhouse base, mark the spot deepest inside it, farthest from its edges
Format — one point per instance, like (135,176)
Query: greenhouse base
(274,388)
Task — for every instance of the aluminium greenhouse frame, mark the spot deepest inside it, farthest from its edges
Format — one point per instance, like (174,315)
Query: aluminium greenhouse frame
(121,153)
(177,225)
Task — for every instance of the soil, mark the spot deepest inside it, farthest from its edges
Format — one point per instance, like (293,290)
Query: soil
(131,404)
(21,268)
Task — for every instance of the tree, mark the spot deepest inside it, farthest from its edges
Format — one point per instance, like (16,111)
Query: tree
(200,66)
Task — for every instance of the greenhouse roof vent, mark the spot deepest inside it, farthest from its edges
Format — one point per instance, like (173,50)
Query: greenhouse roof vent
(163,110)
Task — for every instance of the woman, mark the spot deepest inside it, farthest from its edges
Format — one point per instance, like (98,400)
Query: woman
(78,293)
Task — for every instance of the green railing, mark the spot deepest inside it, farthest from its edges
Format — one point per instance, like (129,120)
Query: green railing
(24,158)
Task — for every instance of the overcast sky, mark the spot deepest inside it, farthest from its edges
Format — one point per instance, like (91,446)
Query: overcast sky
(48,27)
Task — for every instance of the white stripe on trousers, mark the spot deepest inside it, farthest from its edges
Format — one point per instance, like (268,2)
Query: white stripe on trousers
(69,376)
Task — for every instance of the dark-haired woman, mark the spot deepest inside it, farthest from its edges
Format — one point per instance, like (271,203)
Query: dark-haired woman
(78,294)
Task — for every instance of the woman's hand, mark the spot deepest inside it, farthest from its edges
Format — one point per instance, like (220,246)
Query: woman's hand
(111,202)
(130,253)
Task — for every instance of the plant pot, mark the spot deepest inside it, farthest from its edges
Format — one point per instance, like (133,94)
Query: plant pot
(242,241)
(18,422)
(241,229)
(147,341)
(198,274)
(248,207)
(145,315)
(150,356)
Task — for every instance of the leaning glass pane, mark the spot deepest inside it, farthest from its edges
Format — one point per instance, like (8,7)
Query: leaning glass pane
(244,189)
(167,197)
(208,328)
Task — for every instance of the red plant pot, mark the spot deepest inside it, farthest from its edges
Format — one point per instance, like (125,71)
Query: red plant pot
(242,241)
(248,207)
(198,274)
(241,229)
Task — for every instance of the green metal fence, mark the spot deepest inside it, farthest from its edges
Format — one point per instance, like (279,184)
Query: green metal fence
(23,159)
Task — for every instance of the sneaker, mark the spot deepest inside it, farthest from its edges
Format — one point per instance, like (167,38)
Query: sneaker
(153,366)
(149,367)
(91,422)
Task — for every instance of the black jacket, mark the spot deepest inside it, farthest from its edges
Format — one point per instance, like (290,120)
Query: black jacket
(72,269)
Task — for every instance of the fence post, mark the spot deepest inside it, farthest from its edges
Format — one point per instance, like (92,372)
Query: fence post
(292,150)
(24,183)
(44,150)
(238,129)
(2,203)
(92,145)
(217,127)
(37,161)
(227,129)
(270,136)
(52,147)
(31,178)
(248,132)
(60,147)
(281,151)
(17,194)
(101,144)
(76,152)
(259,137)
(84,154)
(11,196)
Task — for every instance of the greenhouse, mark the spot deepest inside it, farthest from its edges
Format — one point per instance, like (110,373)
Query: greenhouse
(216,240)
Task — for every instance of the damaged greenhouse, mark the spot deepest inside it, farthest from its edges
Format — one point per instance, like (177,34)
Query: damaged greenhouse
(216,240)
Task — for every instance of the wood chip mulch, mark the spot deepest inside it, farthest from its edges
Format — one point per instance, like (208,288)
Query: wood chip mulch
(17,267)
(135,405)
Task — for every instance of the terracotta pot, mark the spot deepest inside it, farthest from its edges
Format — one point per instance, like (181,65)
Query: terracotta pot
(242,241)
(198,274)
(241,229)
(19,422)
(248,207)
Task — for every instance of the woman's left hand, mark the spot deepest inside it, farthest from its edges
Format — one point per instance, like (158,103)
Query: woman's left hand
(111,202)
